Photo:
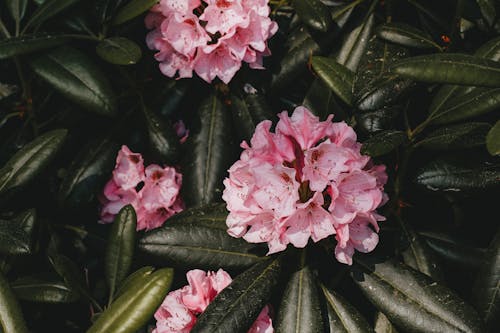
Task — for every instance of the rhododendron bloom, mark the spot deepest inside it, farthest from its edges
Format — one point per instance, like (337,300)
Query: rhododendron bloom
(152,191)
(306,180)
(210,37)
(180,308)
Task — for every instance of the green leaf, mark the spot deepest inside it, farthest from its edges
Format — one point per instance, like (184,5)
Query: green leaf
(48,9)
(383,325)
(313,13)
(212,215)
(29,43)
(163,140)
(210,154)
(132,9)
(493,139)
(376,121)
(336,76)
(300,309)
(406,35)
(488,10)
(136,306)
(134,280)
(76,77)
(119,51)
(486,290)
(354,46)
(459,136)
(247,112)
(383,143)
(342,316)
(397,290)
(120,248)
(321,101)
(87,174)
(104,9)
(46,289)
(238,305)
(16,235)
(17,8)
(11,316)
(454,68)
(30,161)
(453,175)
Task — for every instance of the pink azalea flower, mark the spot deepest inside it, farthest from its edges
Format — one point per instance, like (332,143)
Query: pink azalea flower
(212,37)
(180,308)
(308,180)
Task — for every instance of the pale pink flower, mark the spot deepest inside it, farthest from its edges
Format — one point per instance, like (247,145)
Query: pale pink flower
(180,308)
(308,180)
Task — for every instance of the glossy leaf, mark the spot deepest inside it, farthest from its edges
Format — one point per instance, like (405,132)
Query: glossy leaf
(134,279)
(247,112)
(383,143)
(104,9)
(300,309)
(16,235)
(47,10)
(238,305)
(313,13)
(355,44)
(212,215)
(488,10)
(406,35)
(397,290)
(119,51)
(451,68)
(493,139)
(29,43)
(70,272)
(132,9)
(76,77)
(459,136)
(31,160)
(120,248)
(163,140)
(336,76)
(43,290)
(321,101)
(342,316)
(210,154)
(17,8)
(136,306)
(11,316)
(376,121)
(383,325)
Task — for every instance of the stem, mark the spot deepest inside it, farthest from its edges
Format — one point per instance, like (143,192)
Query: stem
(4,30)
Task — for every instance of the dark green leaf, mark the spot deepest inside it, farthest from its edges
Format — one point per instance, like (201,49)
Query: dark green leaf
(383,325)
(342,316)
(488,10)
(104,9)
(397,290)
(29,43)
(17,8)
(11,316)
(238,305)
(47,10)
(132,9)
(247,112)
(459,136)
(406,35)
(31,160)
(451,68)
(375,121)
(120,248)
(493,139)
(135,307)
(486,290)
(313,13)
(119,51)
(355,44)
(336,76)
(163,140)
(75,76)
(210,154)
(213,215)
(134,279)
(16,235)
(383,143)
(43,290)
(300,309)
(321,101)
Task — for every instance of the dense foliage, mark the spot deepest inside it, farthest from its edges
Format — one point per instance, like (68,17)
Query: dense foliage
(419,81)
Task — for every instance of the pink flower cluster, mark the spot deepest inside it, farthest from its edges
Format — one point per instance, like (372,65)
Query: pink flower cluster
(179,310)
(308,179)
(211,37)
(152,191)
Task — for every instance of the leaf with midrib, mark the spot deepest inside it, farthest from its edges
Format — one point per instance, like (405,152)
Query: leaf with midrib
(355,44)
(30,43)
(406,35)
(43,290)
(336,76)
(16,235)
(383,143)
(313,13)
(17,8)
(131,10)
(47,10)
(11,316)
(493,139)
(119,51)
(459,136)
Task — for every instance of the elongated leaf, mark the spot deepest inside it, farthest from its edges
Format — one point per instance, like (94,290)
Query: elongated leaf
(135,307)
(459,136)
(17,8)
(452,175)
(321,101)
(132,9)
(451,68)
(336,76)
(47,10)
(119,51)
(238,305)
(493,139)
(247,112)
(406,35)
(16,235)
(355,44)
(120,249)
(383,143)
(342,316)
(212,215)
(134,279)
(11,316)
(210,154)
(383,325)
(29,43)
(104,9)
(376,121)
(75,76)
(486,290)
(163,140)
(313,13)
(43,290)
(31,160)
(488,10)
(300,309)
(397,291)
